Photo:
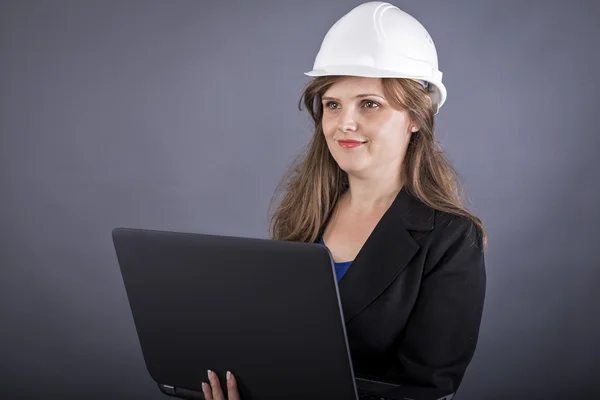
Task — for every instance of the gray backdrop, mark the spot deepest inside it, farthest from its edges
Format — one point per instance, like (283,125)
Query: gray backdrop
(181,115)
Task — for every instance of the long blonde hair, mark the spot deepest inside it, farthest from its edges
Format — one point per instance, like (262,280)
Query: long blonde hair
(314,182)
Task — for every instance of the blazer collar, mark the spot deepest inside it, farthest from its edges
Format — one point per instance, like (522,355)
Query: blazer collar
(385,254)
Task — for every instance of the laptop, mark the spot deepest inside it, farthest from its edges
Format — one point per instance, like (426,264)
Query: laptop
(269,311)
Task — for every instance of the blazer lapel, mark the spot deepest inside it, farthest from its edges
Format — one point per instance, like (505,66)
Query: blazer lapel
(385,254)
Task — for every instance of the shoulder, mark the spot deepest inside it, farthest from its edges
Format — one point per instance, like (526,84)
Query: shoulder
(435,231)
(454,244)
(435,227)
(450,228)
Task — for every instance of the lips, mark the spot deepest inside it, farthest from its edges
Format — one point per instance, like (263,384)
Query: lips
(348,144)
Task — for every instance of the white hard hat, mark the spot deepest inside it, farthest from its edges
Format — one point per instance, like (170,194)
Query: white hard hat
(379,40)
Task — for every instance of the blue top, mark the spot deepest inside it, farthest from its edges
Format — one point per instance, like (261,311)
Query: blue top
(340,267)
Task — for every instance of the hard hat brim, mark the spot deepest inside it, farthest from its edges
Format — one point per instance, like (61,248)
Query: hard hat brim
(438,91)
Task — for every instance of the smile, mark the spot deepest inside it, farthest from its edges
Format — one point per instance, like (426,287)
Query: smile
(350,144)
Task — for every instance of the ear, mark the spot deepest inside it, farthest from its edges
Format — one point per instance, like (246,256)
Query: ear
(429,101)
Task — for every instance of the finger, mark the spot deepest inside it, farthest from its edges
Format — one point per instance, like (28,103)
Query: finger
(217,392)
(232,388)
(207,391)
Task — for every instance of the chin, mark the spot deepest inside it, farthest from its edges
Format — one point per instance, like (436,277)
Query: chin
(352,168)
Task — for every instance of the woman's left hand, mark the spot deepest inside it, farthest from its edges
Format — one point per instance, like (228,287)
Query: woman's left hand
(213,391)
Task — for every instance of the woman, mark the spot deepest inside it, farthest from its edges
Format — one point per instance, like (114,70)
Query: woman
(374,187)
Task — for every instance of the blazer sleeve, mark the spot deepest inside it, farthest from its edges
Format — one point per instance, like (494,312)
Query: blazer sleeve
(442,332)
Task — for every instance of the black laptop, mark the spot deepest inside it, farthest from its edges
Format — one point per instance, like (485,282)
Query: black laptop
(266,310)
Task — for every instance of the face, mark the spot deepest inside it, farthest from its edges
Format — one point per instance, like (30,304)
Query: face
(355,109)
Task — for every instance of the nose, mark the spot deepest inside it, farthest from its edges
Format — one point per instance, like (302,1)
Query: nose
(347,120)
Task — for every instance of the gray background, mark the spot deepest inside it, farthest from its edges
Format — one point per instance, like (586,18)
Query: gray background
(181,115)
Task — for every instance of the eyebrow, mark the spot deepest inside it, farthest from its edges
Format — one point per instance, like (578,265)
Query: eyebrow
(357,96)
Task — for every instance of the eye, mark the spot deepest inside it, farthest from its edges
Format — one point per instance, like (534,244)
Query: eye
(330,103)
(372,103)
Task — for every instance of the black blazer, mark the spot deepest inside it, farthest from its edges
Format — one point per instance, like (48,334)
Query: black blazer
(413,297)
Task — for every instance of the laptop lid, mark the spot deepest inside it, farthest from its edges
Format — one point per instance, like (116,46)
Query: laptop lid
(266,310)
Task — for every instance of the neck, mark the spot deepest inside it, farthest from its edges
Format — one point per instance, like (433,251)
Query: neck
(373,194)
